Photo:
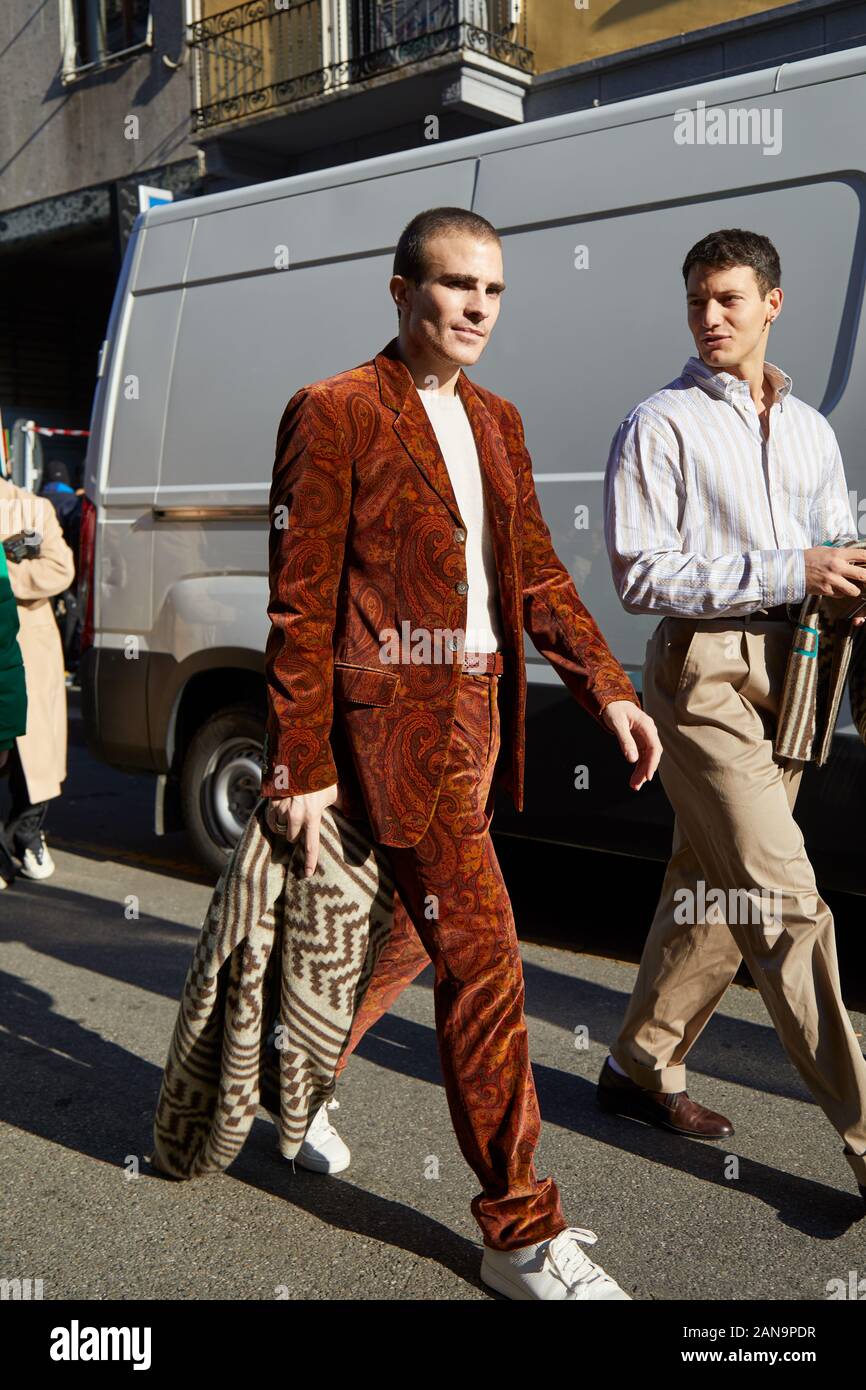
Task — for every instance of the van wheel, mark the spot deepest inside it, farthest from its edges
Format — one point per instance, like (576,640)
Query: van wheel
(221,781)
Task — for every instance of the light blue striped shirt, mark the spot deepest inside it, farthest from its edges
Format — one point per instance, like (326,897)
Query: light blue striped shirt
(703,517)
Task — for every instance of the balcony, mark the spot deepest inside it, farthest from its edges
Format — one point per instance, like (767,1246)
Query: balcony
(254,62)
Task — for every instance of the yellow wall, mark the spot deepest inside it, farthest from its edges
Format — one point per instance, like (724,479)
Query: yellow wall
(270,47)
(560,34)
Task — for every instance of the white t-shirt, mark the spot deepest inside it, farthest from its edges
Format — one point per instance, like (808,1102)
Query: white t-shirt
(454,434)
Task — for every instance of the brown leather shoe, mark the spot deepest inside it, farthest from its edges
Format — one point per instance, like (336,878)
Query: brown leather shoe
(619,1095)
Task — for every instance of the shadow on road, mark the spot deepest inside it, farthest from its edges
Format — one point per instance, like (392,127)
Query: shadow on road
(64,1082)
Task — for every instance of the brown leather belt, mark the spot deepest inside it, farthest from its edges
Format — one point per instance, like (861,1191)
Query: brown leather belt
(779,614)
(483,663)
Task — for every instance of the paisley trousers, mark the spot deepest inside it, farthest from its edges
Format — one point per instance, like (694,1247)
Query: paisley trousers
(451,906)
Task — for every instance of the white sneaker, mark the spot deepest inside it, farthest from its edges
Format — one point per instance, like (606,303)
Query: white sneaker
(322,1151)
(550,1269)
(37,863)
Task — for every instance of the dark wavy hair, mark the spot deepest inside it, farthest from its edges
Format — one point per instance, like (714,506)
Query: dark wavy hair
(733,246)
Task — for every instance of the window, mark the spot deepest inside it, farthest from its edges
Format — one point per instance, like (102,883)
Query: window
(398,21)
(388,24)
(97,30)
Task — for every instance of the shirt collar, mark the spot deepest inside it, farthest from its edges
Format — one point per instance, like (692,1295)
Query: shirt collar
(730,388)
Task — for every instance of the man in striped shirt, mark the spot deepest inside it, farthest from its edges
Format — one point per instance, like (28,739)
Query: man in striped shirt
(719,493)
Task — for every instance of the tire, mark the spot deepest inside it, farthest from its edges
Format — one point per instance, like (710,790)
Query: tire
(220,781)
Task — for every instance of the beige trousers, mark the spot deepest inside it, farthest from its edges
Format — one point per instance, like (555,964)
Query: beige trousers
(739,883)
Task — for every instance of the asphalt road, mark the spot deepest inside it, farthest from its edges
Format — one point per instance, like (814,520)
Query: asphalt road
(89,997)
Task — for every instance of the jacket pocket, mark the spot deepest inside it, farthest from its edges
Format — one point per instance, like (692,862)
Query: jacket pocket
(365,685)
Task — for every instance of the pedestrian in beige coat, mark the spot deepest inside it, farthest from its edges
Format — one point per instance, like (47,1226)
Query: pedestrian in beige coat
(37,765)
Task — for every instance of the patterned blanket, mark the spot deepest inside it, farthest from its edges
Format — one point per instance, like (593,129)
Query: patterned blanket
(815,676)
(857,682)
(280,967)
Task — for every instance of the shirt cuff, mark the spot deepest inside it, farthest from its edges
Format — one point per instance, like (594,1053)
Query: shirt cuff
(784,577)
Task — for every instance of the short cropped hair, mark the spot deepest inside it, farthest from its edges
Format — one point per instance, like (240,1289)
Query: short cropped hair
(410,259)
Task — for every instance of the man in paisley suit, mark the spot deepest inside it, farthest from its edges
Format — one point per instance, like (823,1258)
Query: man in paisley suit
(408,553)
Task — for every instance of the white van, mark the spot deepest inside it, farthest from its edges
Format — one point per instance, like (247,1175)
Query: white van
(227,304)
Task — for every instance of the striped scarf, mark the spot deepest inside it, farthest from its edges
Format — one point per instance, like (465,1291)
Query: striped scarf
(278,972)
(815,676)
(857,681)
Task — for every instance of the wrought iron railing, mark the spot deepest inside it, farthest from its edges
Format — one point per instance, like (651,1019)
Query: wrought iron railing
(254,57)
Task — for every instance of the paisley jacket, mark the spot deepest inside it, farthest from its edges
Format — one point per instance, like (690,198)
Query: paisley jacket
(365,536)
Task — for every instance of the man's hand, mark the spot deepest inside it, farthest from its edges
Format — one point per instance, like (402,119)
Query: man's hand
(637,736)
(836,570)
(290,815)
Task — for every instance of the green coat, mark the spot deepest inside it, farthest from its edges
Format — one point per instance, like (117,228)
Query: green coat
(13,691)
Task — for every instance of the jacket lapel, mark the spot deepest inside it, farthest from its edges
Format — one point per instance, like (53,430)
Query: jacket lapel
(413,427)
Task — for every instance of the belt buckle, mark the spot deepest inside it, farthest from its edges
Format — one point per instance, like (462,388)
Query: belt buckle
(483,663)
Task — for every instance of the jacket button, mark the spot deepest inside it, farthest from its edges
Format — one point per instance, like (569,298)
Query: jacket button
(461,586)
(459,534)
